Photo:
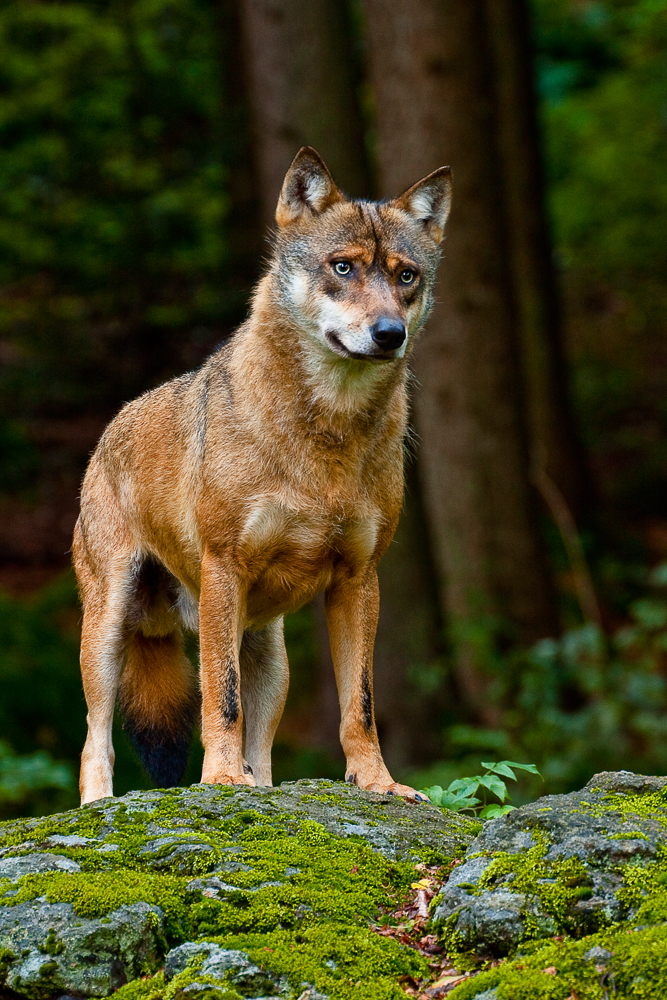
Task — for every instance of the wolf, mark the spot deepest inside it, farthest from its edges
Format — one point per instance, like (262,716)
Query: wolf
(231,496)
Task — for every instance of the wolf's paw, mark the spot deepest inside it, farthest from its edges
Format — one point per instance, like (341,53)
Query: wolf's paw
(392,788)
(403,790)
(237,779)
(230,779)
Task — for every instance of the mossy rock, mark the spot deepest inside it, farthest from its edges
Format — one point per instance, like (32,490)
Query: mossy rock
(94,899)
(214,893)
(564,865)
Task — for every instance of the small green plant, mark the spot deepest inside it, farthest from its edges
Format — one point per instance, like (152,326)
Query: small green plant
(461,794)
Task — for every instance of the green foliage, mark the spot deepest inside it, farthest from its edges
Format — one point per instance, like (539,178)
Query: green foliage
(23,776)
(583,703)
(607,140)
(114,243)
(461,793)
(108,157)
(601,73)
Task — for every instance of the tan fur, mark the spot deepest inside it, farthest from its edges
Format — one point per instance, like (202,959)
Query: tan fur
(231,496)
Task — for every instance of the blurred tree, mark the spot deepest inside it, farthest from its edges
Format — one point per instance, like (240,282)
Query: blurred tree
(554,441)
(302,86)
(430,68)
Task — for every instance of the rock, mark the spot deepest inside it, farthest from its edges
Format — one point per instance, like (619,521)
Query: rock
(245,891)
(599,956)
(554,866)
(153,871)
(29,864)
(56,952)
(195,966)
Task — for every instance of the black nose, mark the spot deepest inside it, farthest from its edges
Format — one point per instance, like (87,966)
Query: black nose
(388,333)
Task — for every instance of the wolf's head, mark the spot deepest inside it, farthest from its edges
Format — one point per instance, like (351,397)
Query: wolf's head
(358,275)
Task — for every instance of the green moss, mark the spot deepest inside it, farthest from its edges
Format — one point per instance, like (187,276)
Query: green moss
(473,987)
(339,879)
(99,893)
(558,885)
(146,988)
(325,798)
(86,822)
(430,856)
(52,944)
(652,805)
(6,958)
(343,962)
(299,891)
(156,988)
(637,968)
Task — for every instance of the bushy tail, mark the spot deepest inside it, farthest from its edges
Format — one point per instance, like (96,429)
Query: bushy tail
(159,700)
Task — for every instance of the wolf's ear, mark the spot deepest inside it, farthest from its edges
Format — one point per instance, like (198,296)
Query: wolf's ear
(429,200)
(308,188)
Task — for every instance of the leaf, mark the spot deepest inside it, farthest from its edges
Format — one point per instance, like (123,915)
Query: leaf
(458,802)
(448,981)
(493,811)
(464,786)
(434,793)
(501,768)
(495,785)
(522,767)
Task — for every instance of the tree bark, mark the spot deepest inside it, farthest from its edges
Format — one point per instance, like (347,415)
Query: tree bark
(555,445)
(430,70)
(302,84)
(409,648)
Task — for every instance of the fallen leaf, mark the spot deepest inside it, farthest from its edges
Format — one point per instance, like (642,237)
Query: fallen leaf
(447,981)
(551,970)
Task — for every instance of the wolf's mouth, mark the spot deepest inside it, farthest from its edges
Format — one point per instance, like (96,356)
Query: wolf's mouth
(338,347)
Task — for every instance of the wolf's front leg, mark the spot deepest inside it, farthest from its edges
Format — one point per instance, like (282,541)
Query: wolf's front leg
(220,633)
(352,606)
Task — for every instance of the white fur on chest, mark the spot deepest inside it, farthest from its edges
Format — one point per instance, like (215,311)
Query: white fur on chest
(271,527)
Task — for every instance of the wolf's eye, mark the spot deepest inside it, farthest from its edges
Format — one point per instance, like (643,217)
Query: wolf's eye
(342,267)
(407,276)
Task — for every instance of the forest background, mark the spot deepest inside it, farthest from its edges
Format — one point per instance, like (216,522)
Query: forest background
(142,146)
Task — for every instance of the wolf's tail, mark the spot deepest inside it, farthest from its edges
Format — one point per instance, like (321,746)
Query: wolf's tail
(159,700)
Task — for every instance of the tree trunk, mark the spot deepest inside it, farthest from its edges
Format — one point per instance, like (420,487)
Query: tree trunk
(430,71)
(302,82)
(409,653)
(303,90)
(555,445)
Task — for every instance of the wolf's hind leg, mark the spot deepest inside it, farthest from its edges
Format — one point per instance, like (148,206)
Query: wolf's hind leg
(264,682)
(159,701)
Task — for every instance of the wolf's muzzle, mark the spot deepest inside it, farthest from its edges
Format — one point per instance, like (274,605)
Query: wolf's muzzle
(388,334)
